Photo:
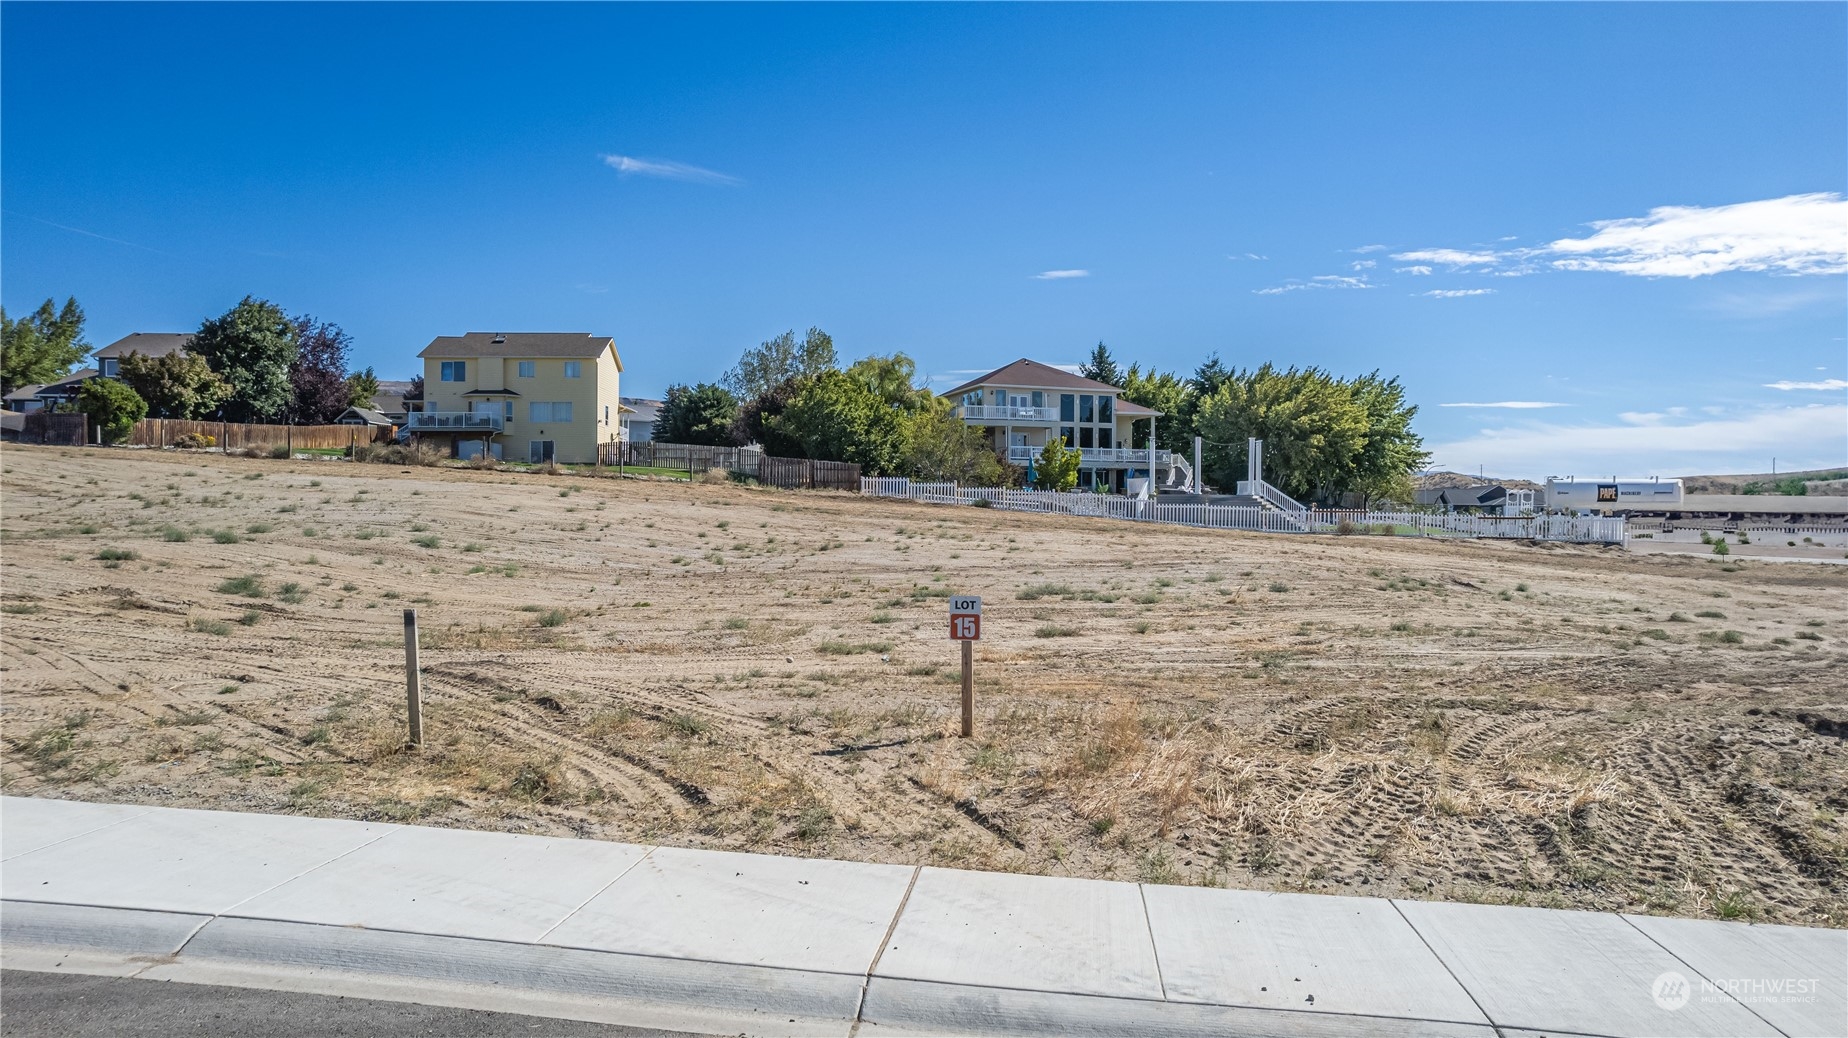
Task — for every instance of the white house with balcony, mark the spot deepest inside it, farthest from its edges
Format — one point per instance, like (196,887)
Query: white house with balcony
(1025,404)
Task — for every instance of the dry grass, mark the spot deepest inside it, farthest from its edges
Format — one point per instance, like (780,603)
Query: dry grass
(711,665)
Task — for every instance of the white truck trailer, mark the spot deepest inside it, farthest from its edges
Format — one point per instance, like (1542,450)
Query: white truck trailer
(1572,494)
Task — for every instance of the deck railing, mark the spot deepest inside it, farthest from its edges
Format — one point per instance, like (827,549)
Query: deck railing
(1004,413)
(452,421)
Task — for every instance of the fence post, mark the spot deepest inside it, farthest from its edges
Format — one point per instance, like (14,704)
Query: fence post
(413,681)
(288,439)
(968,688)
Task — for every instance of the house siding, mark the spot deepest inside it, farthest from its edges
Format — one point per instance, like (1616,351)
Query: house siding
(576,441)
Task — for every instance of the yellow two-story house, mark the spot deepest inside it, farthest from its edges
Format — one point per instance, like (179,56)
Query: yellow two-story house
(521,396)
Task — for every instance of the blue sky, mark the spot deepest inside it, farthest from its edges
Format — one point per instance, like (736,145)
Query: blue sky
(1270,183)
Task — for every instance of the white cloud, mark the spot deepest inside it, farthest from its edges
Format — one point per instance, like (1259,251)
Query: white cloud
(630,166)
(1248,256)
(1369,248)
(1319,281)
(1060,275)
(1449,257)
(1799,437)
(1519,405)
(1415,271)
(1825,384)
(1364,264)
(1458,293)
(1797,234)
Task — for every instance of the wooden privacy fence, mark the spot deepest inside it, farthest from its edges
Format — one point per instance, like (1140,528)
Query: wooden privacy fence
(162,432)
(805,473)
(58,430)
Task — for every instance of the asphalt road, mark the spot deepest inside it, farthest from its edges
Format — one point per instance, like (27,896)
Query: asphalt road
(65,1005)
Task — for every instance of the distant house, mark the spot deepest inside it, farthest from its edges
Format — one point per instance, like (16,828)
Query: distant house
(148,344)
(1479,498)
(1025,404)
(638,420)
(51,396)
(526,396)
(364,416)
(389,400)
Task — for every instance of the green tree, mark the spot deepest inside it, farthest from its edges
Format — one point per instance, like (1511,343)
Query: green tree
(890,379)
(702,414)
(776,361)
(361,387)
(114,407)
(251,347)
(42,347)
(1102,367)
(1057,468)
(941,446)
(1323,436)
(1173,397)
(837,418)
(175,385)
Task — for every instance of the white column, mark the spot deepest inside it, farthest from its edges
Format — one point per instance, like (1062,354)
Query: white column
(1199,486)
(1151,454)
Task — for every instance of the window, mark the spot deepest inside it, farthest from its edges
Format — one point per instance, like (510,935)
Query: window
(1086,436)
(455,371)
(110,367)
(529,368)
(606,414)
(1039,398)
(1067,409)
(1067,435)
(548,411)
(973,398)
(1086,413)
(1104,406)
(1103,437)
(541,450)
(509,414)
(574,369)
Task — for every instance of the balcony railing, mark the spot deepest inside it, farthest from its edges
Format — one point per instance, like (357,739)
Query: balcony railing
(1137,457)
(994,413)
(452,421)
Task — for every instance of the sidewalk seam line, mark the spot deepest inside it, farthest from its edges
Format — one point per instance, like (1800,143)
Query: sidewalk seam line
(1394,902)
(891,928)
(305,872)
(1148,927)
(1702,974)
(567,916)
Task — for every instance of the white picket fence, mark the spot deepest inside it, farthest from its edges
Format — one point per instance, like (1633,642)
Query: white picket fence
(1581,530)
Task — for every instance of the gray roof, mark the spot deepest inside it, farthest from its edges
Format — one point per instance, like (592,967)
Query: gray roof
(644,409)
(567,345)
(148,344)
(390,397)
(1031,374)
(369,416)
(65,386)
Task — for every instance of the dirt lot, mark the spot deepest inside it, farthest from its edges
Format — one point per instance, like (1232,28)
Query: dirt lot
(730,667)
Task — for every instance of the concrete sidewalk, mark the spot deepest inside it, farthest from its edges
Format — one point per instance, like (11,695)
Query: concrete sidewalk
(719,942)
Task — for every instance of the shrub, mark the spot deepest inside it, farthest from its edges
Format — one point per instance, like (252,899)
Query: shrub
(195,442)
(206,626)
(225,536)
(428,540)
(113,406)
(397,454)
(174,533)
(248,586)
(487,462)
(553,617)
(118,555)
(1055,631)
(1719,548)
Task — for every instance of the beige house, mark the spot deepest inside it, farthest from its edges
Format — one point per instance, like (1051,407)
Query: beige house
(1026,403)
(521,396)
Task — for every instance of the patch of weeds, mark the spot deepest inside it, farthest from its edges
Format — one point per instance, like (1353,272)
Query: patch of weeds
(186,719)
(249,586)
(118,555)
(427,541)
(813,823)
(258,528)
(1039,591)
(689,725)
(553,617)
(1054,631)
(852,648)
(1679,618)
(225,537)
(292,593)
(250,617)
(205,625)
(737,623)
(28,608)
(1654,632)
(317,735)
(1156,866)
(1279,587)
(1711,614)
(471,547)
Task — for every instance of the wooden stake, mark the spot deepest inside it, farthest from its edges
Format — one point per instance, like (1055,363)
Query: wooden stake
(968,661)
(413,681)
